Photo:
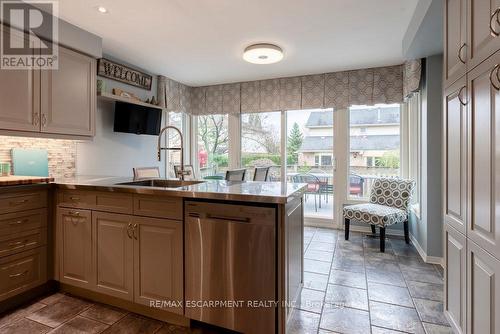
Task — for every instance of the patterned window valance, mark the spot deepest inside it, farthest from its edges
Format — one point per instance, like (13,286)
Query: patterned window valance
(412,72)
(337,90)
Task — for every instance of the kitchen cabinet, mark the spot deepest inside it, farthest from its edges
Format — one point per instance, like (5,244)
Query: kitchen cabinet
(158,262)
(20,95)
(484,111)
(455,278)
(68,95)
(483,294)
(75,247)
(455,162)
(483,29)
(455,35)
(114,246)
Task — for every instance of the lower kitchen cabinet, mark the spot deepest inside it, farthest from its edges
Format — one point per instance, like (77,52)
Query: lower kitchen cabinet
(114,258)
(483,293)
(158,261)
(455,278)
(75,247)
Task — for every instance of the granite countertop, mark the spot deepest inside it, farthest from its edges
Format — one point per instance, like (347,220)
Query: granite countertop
(248,191)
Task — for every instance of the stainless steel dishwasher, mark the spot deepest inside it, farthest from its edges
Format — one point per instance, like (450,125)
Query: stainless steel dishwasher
(230,266)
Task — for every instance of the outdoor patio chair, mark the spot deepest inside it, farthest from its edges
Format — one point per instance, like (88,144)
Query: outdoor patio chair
(260,173)
(141,173)
(236,175)
(390,199)
(313,186)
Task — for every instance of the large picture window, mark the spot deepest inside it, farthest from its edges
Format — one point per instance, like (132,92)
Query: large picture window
(213,145)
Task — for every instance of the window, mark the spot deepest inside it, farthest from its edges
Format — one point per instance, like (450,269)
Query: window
(414,135)
(213,145)
(261,143)
(174,157)
(376,150)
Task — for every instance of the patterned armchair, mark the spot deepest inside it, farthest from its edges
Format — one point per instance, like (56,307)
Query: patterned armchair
(389,204)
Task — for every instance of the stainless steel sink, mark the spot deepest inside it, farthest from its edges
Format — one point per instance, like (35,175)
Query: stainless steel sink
(160,183)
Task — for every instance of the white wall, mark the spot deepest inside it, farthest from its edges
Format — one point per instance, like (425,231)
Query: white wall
(115,154)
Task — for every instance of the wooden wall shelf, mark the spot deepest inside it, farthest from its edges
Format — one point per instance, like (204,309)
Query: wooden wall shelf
(114,98)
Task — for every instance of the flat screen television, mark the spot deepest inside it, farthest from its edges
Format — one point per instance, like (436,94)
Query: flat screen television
(141,120)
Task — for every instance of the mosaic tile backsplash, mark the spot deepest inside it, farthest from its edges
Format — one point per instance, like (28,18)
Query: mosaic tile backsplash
(61,153)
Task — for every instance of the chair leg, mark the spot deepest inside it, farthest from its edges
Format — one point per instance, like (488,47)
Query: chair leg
(315,203)
(382,239)
(373,228)
(346,227)
(320,200)
(407,233)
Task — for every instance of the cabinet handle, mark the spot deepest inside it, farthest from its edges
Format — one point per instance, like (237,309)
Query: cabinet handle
(18,202)
(135,228)
(129,227)
(17,243)
(494,33)
(74,213)
(18,274)
(460,53)
(74,198)
(18,222)
(460,96)
(36,118)
(44,120)
(495,68)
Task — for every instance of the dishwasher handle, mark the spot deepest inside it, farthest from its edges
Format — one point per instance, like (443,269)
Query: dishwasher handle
(220,218)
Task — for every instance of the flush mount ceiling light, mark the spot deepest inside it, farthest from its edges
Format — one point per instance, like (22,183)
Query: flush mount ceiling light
(263,53)
(102,10)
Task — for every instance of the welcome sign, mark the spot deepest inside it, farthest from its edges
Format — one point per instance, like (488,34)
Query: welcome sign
(109,69)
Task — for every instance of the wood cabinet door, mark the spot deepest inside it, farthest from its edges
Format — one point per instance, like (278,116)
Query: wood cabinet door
(19,94)
(158,261)
(68,95)
(455,162)
(455,278)
(454,40)
(483,293)
(114,257)
(484,153)
(483,29)
(75,247)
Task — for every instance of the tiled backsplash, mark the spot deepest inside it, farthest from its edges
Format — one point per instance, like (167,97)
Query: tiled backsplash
(62,153)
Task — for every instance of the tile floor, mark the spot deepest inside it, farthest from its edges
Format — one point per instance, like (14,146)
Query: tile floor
(350,287)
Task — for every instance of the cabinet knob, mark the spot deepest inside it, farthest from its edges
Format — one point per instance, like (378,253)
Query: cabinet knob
(44,120)
(36,119)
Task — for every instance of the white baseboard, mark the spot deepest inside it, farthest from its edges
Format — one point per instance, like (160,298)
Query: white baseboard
(423,254)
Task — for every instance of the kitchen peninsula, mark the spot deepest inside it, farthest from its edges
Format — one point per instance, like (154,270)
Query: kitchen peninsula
(167,248)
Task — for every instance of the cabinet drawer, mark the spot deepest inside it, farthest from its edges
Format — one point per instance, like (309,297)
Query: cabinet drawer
(167,207)
(13,223)
(114,202)
(22,201)
(76,199)
(23,241)
(22,272)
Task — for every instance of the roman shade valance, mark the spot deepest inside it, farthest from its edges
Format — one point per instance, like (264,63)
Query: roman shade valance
(337,90)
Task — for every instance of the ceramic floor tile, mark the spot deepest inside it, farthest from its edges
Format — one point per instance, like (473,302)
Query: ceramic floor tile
(310,300)
(407,250)
(80,325)
(380,330)
(436,329)
(423,290)
(344,296)
(429,275)
(25,326)
(347,278)
(378,275)
(173,329)
(325,237)
(61,311)
(315,281)
(303,323)
(19,313)
(431,311)
(319,255)
(345,320)
(395,317)
(318,267)
(321,246)
(348,264)
(52,298)
(133,323)
(389,294)
(104,313)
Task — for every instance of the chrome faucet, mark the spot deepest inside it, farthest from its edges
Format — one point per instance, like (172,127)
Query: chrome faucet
(181,172)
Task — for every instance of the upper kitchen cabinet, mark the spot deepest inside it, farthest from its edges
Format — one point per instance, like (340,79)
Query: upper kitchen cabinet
(484,158)
(68,95)
(455,35)
(483,30)
(19,95)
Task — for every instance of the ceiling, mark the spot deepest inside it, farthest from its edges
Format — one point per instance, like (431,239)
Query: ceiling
(200,42)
